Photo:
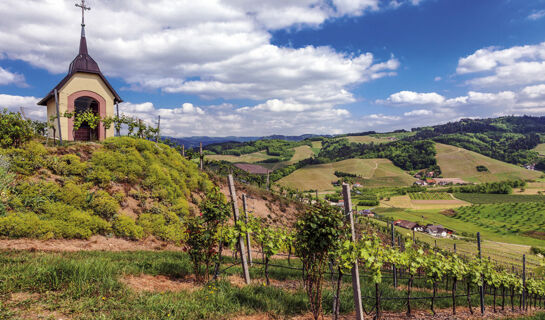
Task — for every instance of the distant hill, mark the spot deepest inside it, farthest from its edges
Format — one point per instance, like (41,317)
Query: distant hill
(461,163)
(373,173)
(193,142)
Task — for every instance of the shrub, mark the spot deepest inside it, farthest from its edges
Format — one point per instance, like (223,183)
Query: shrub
(24,225)
(104,205)
(368,203)
(125,227)
(27,160)
(76,195)
(14,130)
(31,195)
(69,164)
(482,169)
(166,226)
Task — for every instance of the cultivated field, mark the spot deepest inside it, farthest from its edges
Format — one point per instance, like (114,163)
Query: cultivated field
(498,247)
(375,172)
(430,196)
(460,163)
(405,202)
(479,198)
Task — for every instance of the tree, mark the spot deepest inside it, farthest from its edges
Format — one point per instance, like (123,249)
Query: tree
(14,130)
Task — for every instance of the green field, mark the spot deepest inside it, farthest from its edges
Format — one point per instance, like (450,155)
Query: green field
(374,173)
(540,149)
(460,163)
(507,248)
(522,219)
(430,196)
(479,198)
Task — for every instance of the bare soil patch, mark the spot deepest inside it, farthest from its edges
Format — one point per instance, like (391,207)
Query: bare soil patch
(95,243)
(149,283)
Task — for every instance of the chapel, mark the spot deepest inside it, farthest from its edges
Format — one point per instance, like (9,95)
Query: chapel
(83,88)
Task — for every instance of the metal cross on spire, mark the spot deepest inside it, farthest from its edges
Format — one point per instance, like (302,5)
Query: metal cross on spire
(83,8)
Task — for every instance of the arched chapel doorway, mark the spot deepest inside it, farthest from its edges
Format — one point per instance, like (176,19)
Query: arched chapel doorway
(84,132)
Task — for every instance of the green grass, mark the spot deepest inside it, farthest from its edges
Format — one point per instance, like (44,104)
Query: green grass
(373,173)
(85,285)
(461,163)
(430,196)
(479,198)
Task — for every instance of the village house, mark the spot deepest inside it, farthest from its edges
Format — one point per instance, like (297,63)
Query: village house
(421,183)
(366,213)
(438,230)
(409,225)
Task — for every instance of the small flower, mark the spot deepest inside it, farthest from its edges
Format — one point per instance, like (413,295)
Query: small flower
(103,298)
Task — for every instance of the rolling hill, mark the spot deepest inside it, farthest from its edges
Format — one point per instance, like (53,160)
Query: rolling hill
(461,163)
(301,153)
(375,173)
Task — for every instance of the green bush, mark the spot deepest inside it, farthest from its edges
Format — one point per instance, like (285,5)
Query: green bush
(166,226)
(125,227)
(14,130)
(28,159)
(76,195)
(104,205)
(69,164)
(31,195)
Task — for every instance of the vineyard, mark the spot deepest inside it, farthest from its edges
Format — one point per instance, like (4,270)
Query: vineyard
(326,243)
(526,219)
(430,196)
(481,198)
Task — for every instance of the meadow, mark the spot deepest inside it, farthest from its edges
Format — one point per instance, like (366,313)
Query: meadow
(430,196)
(373,173)
(460,163)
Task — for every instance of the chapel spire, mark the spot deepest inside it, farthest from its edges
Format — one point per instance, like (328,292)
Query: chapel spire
(83,41)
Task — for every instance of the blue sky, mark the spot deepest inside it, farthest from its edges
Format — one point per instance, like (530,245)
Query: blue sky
(244,67)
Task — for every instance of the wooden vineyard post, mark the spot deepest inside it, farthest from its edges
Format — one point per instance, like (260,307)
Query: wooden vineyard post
(355,269)
(523,282)
(394,269)
(117,131)
(481,288)
(158,128)
(183,150)
(268,180)
(233,194)
(58,117)
(248,240)
(201,157)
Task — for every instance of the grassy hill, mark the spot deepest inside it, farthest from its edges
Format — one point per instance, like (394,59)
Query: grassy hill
(126,187)
(301,153)
(374,173)
(460,163)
